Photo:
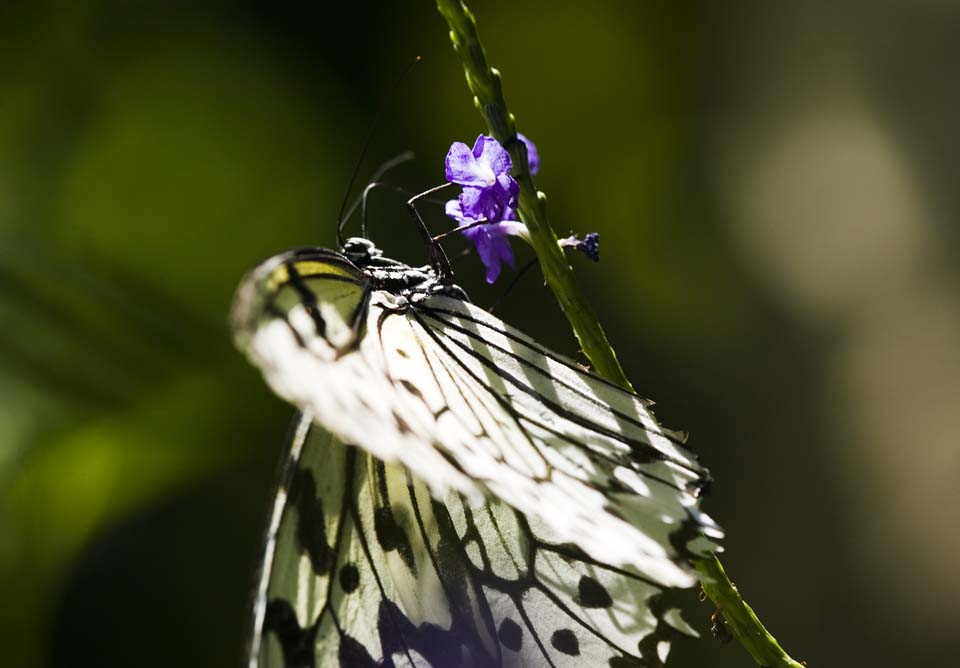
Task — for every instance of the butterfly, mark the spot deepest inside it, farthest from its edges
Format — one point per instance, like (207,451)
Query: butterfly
(497,504)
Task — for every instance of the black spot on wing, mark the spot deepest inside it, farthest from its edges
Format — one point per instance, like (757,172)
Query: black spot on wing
(412,389)
(391,536)
(659,606)
(470,624)
(440,647)
(352,654)
(592,594)
(297,644)
(511,635)
(565,642)
(401,423)
(349,578)
(311,525)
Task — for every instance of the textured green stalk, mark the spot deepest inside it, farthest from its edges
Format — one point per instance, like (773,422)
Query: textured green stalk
(484,83)
(740,618)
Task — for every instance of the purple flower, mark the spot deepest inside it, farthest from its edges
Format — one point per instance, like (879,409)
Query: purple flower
(490,239)
(533,155)
(484,172)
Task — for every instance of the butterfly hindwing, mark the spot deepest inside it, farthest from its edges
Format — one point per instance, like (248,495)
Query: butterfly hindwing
(364,568)
(299,553)
(350,576)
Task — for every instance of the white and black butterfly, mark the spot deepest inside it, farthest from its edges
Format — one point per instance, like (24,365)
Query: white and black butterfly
(499,505)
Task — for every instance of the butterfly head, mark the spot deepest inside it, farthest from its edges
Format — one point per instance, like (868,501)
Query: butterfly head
(394,276)
(360,251)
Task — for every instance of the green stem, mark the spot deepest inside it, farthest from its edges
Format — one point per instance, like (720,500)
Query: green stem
(484,83)
(741,620)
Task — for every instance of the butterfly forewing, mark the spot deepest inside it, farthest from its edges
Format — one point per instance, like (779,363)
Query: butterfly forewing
(593,437)
(318,295)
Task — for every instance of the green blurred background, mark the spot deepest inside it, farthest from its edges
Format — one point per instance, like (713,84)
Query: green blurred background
(774,185)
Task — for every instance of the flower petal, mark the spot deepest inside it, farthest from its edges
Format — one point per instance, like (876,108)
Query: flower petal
(509,190)
(484,203)
(512,228)
(463,168)
(490,153)
(533,155)
(474,203)
(453,209)
(493,250)
(503,253)
(504,250)
(481,239)
(493,246)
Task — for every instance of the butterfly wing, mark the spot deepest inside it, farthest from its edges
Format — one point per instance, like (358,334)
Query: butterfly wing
(363,568)
(470,404)
(310,290)
(552,604)
(600,471)
(347,578)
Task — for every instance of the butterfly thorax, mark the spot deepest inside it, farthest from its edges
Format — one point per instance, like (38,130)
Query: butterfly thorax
(395,276)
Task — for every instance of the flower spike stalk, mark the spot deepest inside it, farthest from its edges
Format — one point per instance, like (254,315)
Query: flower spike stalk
(484,83)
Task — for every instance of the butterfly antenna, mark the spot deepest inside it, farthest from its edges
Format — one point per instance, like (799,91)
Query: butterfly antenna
(341,221)
(375,183)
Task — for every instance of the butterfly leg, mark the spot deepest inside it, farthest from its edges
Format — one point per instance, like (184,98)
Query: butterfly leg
(435,253)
